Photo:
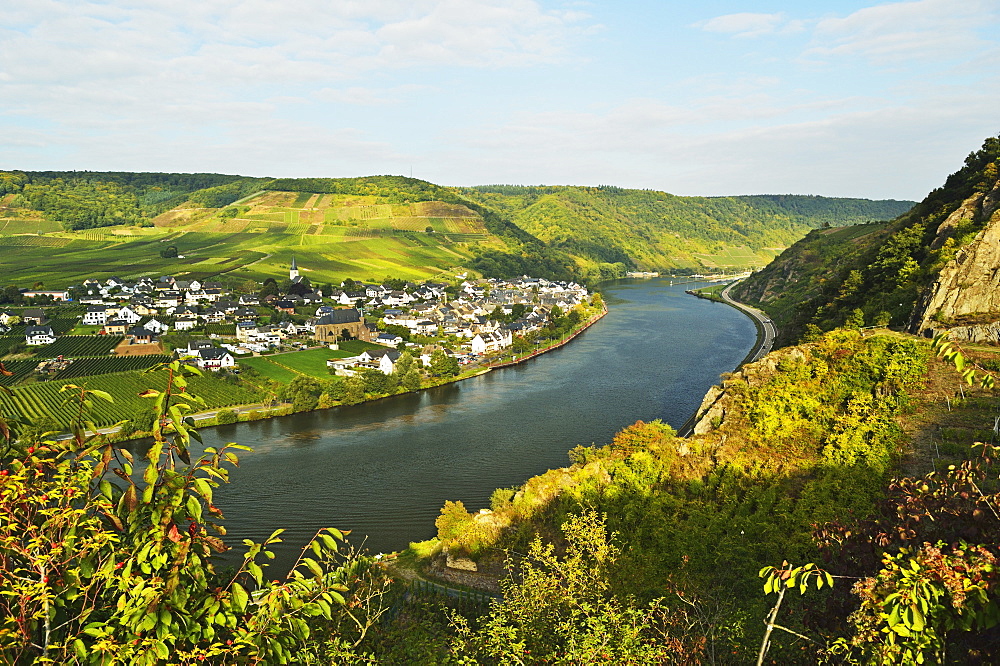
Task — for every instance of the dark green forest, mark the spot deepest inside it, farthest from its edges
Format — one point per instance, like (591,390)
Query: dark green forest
(89,199)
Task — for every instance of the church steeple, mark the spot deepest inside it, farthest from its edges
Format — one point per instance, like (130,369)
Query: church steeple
(293,272)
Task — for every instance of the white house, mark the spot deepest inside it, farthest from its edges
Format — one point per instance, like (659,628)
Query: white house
(185,323)
(129,315)
(381,359)
(156,326)
(388,339)
(39,335)
(95,315)
(214,358)
(491,342)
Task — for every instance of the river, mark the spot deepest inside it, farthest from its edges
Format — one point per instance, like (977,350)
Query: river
(384,469)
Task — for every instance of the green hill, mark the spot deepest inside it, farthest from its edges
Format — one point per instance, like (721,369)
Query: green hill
(879,274)
(652,230)
(63,225)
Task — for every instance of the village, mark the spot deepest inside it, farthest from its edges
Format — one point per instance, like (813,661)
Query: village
(467,320)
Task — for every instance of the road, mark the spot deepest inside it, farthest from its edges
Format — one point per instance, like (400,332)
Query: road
(764,343)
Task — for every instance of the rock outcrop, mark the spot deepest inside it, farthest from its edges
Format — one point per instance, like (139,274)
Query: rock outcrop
(965,298)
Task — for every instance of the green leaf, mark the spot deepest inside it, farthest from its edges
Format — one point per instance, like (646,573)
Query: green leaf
(194,508)
(203,488)
(240,598)
(299,628)
(313,566)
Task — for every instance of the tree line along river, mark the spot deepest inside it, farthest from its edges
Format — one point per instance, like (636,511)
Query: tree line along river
(384,469)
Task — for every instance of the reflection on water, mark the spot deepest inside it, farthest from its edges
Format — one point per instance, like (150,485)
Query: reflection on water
(384,469)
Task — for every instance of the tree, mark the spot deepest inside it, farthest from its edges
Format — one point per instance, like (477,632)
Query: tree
(303,392)
(354,390)
(562,609)
(11,294)
(411,381)
(169,252)
(270,288)
(405,363)
(443,365)
(856,320)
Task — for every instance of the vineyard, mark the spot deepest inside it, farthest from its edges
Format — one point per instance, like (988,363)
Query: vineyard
(45,400)
(81,345)
(20,370)
(86,367)
(8,342)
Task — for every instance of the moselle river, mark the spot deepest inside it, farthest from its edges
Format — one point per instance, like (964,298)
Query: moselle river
(384,469)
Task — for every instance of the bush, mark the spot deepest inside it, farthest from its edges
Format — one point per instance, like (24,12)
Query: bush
(126,574)
(226,416)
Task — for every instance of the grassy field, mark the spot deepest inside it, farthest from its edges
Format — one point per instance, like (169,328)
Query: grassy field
(268,369)
(311,362)
(331,236)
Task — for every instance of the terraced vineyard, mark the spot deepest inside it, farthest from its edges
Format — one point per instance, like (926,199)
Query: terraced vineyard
(8,342)
(81,345)
(18,369)
(87,367)
(45,399)
(331,235)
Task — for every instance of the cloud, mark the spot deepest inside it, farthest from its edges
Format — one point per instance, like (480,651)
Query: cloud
(366,96)
(748,24)
(900,31)
(752,144)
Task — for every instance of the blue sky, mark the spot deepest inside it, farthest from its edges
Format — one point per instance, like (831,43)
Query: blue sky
(871,99)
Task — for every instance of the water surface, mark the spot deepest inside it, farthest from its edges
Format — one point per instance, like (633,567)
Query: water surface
(384,469)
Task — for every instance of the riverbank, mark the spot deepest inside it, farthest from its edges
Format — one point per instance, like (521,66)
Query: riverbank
(766,331)
(572,335)
(267,410)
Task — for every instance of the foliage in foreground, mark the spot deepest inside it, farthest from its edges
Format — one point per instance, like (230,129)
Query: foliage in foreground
(105,561)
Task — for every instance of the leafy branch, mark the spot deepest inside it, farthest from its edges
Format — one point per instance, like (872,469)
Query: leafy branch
(780,581)
(971,372)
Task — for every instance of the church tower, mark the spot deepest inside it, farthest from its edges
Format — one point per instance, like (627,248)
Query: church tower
(293,272)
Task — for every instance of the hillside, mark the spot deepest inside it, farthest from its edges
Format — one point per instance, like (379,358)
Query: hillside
(63,224)
(791,451)
(932,269)
(652,230)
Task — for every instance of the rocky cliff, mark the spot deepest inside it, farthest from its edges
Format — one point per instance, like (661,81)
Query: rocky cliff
(965,298)
(935,268)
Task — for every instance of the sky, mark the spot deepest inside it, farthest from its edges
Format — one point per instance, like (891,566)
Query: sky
(835,98)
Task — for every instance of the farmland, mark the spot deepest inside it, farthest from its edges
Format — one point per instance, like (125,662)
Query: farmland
(311,362)
(35,401)
(331,237)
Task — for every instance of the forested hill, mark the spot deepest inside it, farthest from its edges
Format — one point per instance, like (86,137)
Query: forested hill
(931,269)
(654,230)
(89,199)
